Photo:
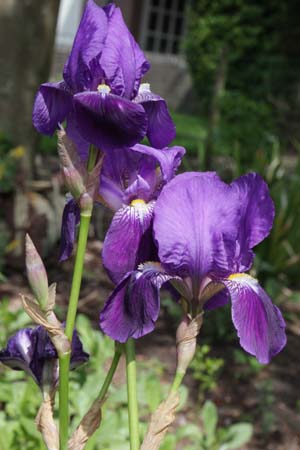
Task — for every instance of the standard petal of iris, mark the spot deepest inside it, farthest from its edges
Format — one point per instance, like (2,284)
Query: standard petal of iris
(257,214)
(259,323)
(121,248)
(195,225)
(51,106)
(161,128)
(122,62)
(142,65)
(168,158)
(88,44)
(120,169)
(133,307)
(109,121)
(70,219)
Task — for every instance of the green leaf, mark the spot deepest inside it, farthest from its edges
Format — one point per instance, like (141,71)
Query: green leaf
(210,419)
(237,435)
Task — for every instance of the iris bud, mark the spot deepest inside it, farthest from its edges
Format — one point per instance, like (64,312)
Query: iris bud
(36,273)
(72,167)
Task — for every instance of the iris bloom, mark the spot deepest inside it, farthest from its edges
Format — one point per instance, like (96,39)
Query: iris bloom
(205,230)
(31,350)
(130,183)
(101,95)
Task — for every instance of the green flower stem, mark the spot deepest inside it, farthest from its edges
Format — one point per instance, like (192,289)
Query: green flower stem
(110,373)
(103,391)
(64,360)
(132,395)
(177,381)
(93,155)
(85,220)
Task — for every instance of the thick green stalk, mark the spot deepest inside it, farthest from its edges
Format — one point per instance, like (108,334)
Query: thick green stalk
(63,401)
(132,395)
(85,220)
(64,360)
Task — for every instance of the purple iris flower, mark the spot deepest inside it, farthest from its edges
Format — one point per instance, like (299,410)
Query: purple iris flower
(101,95)
(31,350)
(205,230)
(130,183)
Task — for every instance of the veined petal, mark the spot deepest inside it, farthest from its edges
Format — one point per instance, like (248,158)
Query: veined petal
(51,106)
(22,345)
(133,307)
(139,189)
(81,144)
(20,351)
(121,249)
(142,65)
(195,226)
(79,70)
(123,168)
(257,214)
(168,159)
(161,128)
(259,323)
(122,60)
(109,121)
(218,300)
(70,219)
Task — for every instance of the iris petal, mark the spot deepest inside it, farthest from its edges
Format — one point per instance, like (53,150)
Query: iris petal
(195,226)
(133,307)
(257,214)
(121,249)
(51,106)
(259,323)
(88,44)
(123,61)
(109,121)
(70,219)
(220,299)
(161,128)
(81,144)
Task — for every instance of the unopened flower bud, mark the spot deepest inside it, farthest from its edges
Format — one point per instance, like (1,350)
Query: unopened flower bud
(186,340)
(86,204)
(73,169)
(74,182)
(36,273)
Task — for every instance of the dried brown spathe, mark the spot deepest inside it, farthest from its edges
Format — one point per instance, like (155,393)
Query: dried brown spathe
(160,422)
(46,425)
(87,427)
